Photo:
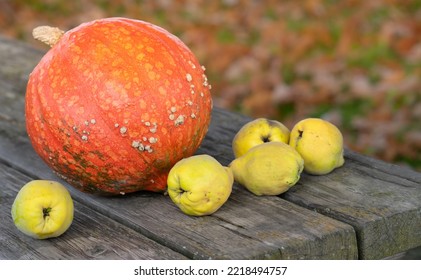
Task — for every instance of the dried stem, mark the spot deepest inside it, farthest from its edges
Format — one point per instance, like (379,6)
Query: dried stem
(47,34)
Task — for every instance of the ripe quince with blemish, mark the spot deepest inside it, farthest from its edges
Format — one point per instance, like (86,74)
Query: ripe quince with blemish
(268,169)
(199,185)
(257,132)
(43,209)
(320,143)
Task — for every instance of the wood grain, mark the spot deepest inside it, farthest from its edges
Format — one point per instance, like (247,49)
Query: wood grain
(384,209)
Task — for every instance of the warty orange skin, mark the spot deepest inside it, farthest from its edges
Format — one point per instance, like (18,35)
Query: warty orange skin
(115,103)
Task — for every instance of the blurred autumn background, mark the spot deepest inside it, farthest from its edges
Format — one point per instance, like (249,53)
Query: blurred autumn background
(354,63)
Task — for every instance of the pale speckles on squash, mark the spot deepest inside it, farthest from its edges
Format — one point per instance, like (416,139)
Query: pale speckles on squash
(144,147)
(192,89)
(138,145)
(193,66)
(179,120)
(205,81)
(123,130)
(189,77)
(148,148)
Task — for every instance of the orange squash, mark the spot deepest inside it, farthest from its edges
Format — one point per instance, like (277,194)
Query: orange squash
(115,103)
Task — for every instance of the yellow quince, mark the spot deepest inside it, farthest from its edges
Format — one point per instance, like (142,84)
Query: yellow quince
(199,185)
(268,169)
(320,143)
(257,132)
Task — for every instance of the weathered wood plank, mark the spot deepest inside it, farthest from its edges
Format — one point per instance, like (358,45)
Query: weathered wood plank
(85,239)
(381,201)
(246,227)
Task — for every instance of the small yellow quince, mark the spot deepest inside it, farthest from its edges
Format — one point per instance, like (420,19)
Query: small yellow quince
(43,209)
(320,143)
(199,185)
(268,169)
(257,132)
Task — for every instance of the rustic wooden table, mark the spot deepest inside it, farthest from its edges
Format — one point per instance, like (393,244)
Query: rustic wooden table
(368,209)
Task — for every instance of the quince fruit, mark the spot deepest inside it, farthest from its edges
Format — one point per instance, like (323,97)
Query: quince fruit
(43,209)
(257,132)
(199,185)
(320,143)
(268,169)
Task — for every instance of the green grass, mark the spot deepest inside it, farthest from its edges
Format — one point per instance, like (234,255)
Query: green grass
(367,57)
(225,36)
(285,110)
(354,108)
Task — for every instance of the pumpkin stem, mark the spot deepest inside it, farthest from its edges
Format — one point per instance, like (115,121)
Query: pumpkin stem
(47,34)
